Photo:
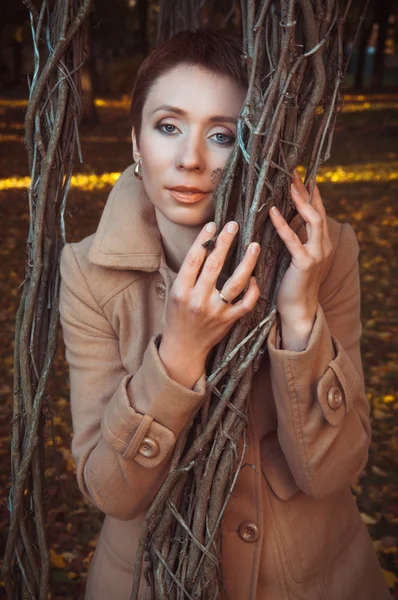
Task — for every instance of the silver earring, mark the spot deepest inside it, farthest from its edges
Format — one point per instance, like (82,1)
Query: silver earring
(137,171)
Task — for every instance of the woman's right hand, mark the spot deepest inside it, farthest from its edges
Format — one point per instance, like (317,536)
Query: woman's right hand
(195,317)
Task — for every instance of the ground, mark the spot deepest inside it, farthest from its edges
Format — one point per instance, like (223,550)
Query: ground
(361,139)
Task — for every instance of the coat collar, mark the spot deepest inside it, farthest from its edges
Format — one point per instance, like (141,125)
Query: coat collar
(128,236)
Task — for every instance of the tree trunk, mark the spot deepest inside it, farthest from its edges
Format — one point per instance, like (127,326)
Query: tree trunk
(381,17)
(178,15)
(142,8)
(363,44)
(90,113)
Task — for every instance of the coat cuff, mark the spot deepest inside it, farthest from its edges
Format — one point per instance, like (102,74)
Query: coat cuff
(149,410)
(322,370)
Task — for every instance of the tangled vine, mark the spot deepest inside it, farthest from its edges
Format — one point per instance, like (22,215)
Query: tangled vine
(293,51)
(51,138)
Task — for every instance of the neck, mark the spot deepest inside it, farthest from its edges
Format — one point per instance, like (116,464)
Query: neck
(176,240)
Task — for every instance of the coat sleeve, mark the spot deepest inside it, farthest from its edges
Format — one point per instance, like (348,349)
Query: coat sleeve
(125,425)
(322,410)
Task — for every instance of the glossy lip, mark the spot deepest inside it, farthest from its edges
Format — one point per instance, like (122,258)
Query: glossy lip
(188,198)
(185,189)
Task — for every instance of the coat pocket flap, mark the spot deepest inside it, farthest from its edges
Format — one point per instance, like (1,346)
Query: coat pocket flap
(278,475)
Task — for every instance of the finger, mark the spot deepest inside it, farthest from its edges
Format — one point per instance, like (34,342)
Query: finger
(316,196)
(247,303)
(238,280)
(313,219)
(188,273)
(214,263)
(317,202)
(305,191)
(289,238)
(298,182)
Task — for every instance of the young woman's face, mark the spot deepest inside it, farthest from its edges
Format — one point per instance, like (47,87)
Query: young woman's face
(189,125)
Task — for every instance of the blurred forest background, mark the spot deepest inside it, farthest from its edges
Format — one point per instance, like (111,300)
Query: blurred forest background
(358,184)
(122,32)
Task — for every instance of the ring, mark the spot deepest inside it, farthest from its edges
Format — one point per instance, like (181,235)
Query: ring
(223,298)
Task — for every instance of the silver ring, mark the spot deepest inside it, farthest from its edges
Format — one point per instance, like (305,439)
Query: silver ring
(223,298)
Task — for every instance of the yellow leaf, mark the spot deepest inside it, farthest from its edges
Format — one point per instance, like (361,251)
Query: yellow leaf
(391,550)
(72,575)
(87,560)
(390,578)
(57,560)
(388,398)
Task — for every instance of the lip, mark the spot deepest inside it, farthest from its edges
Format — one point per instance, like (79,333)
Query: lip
(186,189)
(188,197)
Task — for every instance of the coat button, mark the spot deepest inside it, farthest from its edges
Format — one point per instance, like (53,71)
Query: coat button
(149,448)
(161,290)
(248,531)
(335,397)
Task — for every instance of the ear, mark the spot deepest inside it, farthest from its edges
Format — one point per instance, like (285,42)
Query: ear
(136,152)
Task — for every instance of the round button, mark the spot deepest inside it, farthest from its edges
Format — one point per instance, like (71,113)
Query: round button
(161,290)
(248,531)
(335,397)
(149,448)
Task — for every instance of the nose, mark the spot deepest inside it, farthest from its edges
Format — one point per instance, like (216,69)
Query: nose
(191,155)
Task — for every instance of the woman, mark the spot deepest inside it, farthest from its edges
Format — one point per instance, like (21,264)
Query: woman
(139,322)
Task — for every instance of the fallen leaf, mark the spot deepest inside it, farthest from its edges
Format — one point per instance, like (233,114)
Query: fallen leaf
(368,520)
(57,560)
(388,398)
(72,575)
(390,578)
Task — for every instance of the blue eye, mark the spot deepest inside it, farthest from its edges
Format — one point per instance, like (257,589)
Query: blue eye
(165,125)
(227,139)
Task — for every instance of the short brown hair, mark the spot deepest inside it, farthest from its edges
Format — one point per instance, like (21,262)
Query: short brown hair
(215,50)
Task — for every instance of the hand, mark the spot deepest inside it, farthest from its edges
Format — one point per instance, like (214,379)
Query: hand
(195,317)
(297,298)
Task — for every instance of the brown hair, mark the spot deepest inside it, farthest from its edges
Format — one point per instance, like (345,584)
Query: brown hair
(215,50)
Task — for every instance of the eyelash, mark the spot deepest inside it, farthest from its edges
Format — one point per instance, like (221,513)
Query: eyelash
(230,141)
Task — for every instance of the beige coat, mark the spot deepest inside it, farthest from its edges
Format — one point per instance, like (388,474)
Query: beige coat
(291,529)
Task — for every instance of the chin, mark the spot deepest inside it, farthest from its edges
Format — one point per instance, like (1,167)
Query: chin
(197,220)
(190,216)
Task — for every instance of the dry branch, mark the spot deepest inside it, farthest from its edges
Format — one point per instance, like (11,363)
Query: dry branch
(52,116)
(294,59)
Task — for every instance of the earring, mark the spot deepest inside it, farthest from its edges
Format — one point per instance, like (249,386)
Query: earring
(137,171)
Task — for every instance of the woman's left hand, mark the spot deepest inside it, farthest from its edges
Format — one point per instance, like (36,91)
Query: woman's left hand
(297,298)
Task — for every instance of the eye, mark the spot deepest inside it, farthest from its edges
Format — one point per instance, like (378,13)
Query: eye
(228,140)
(161,125)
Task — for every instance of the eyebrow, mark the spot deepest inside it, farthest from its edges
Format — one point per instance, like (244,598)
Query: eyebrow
(180,111)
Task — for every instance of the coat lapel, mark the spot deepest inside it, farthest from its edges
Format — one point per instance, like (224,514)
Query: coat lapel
(127,236)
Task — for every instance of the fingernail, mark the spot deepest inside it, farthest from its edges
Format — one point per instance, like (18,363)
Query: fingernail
(255,249)
(294,189)
(232,227)
(275,211)
(211,227)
